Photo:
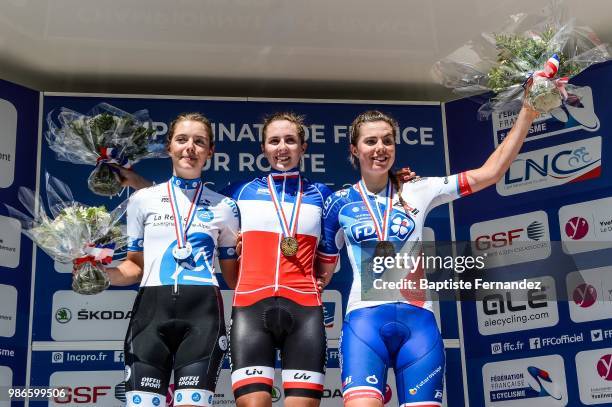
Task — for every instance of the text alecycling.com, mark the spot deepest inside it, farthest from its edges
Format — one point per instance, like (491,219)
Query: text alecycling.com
(515,319)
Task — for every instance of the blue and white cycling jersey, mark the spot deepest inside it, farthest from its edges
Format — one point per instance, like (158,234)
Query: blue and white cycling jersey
(347,220)
(150,228)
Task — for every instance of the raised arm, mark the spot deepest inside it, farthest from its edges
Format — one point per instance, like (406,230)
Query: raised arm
(503,156)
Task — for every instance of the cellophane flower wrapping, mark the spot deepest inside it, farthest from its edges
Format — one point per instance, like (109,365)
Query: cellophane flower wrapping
(87,236)
(503,62)
(104,135)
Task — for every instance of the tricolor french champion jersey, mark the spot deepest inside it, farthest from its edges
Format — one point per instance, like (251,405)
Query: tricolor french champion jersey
(150,228)
(264,270)
(346,220)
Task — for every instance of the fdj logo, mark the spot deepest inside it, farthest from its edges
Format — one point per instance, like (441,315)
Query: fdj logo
(63,315)
(363,231)
(401,226)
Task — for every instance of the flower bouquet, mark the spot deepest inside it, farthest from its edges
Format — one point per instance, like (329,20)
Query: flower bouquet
(539,52)
(85,235)
(106,135)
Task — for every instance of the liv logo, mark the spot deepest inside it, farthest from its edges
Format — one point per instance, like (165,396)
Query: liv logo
(553,166)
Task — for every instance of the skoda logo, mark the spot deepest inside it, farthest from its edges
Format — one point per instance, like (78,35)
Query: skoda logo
(276,394)
(63,315)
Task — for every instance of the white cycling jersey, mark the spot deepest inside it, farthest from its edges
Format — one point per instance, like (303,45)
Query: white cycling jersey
(346,219)
(151,229)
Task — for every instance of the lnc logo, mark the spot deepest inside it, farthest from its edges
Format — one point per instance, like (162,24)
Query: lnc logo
(560,165)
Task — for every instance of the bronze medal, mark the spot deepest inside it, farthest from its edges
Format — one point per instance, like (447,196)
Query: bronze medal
(289,246)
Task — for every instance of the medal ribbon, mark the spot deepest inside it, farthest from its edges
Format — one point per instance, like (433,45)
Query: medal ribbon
(288,228)
(181,234)
(381,230)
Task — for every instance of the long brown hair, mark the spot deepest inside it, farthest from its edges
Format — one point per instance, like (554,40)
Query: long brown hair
(369,117)
(294,118)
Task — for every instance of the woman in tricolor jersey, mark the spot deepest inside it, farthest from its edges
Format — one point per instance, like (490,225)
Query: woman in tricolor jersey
(176,229)
(378,217)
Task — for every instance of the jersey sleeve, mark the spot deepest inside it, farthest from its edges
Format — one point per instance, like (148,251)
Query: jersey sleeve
(226,243)
(135,223)
(332,236)
(447,189)
(233,190)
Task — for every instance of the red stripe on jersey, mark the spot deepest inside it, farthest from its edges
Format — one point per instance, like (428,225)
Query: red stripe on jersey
(464,185)
(251,380)
(302,385)
(327,258)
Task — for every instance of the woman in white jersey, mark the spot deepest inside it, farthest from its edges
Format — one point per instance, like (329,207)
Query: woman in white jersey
(176,229)
(376,215)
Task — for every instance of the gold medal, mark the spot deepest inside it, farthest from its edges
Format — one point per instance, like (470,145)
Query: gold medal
(289,246)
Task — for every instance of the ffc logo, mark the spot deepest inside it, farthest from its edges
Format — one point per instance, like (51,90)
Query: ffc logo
(543,384)
(576,228)
(604,367)
(585,295)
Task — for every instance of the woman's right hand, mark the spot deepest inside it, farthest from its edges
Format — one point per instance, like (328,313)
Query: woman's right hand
(130,178)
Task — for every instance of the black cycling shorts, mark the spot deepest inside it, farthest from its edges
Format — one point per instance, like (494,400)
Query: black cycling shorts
(184,332)
(258,330)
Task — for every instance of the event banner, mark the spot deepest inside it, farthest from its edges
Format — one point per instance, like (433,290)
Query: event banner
(18,148)
(547,222)
(63,316)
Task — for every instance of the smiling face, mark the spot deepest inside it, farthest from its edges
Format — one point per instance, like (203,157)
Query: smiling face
(190,148)
(282,145)
(375,147)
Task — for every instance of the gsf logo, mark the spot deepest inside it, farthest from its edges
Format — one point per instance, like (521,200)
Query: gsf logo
(494,304)
(82,394)
(534,231)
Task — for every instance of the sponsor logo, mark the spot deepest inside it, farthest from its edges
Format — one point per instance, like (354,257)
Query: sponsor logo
(372,379)
(253,372)
(594,373)
(82,394)
(150,382)
(401,227)
(196,270)
(576,228)
(510,311)
(536,380)
(586,226)
(415,389)
(591,294)
(137,399)
(560,120)
(104,316)
(604,367)
(205,215)
(585,295)
(63,315)
(196,397)
(512,240)
(301,376)
(10,240)
(156,401)
(276,394)
(553,166)
(189,380)
(8,141)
